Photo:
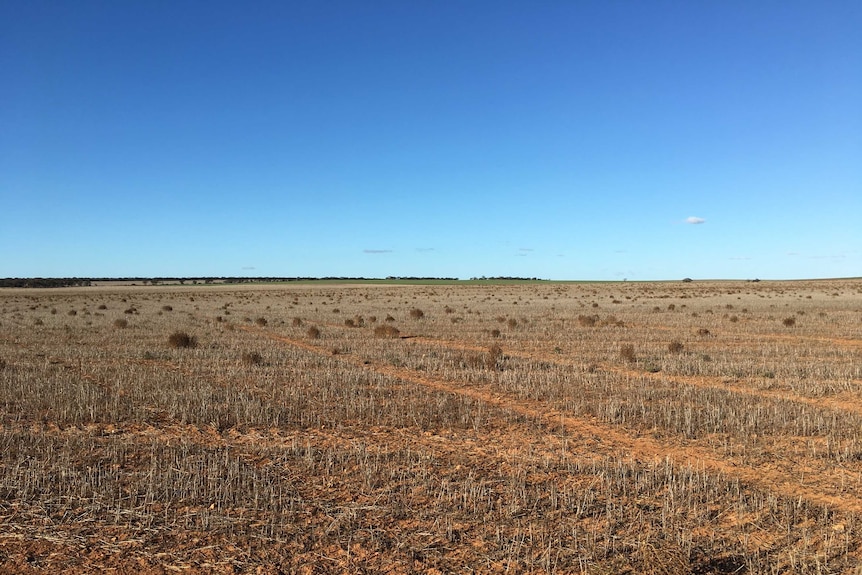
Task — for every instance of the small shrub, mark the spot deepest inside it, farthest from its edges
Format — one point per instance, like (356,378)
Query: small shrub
(627,352)
(297,322)
(167,308)
(389,318)
(2,364)
(313,332)
(494,357)
(512,323)
(675,347)
(703,332)
(349,323)
(734,319)
(789,321)
(121,323)
(261,321)
(588,320)
(495,333)
(102,306)
(182,340)
(671,307)
(416,313)
(71,312)
(252,358)
(386,331)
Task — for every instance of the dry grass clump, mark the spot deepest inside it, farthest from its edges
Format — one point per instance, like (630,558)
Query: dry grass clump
(490,360)
(182,340)
(789,321)
(261,321)
(252,358)
(588,320)
(627,352)
(613,321)
(417,313)
(297,322)
(675,347)
(121,323)
(703,332)
(386,331)
(313,332)
(167,308)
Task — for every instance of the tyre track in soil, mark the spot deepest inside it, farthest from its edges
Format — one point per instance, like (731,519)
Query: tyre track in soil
(602,439)
(844,402)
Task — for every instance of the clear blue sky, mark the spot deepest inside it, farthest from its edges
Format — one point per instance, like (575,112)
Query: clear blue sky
(557,139)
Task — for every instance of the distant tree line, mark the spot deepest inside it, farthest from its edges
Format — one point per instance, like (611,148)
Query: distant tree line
(78,282)
(43,282)
(509,278)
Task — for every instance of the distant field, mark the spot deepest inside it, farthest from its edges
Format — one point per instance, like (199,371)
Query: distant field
(705,427)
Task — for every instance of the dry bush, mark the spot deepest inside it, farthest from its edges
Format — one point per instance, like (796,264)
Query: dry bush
(386,331)
(167,308)
(313,332)
(121,323)
(627,352)
(252,358)
(675,347)
(588,320)
(389,318)
(261,321)
(417,313)
(297,322)
(182,340)
(789,321)
(349,323)
(494,357)
(703,332)
(494,333)
(102,306)
(512,323)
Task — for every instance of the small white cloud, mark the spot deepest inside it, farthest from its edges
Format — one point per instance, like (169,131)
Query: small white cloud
(694,220)
(377,251)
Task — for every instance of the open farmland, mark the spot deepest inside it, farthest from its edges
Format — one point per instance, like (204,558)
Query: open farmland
(705,427)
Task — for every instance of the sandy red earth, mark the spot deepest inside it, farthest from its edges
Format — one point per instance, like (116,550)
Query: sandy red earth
(419,454)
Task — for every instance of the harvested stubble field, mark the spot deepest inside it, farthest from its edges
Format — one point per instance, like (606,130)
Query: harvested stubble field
(570,428)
